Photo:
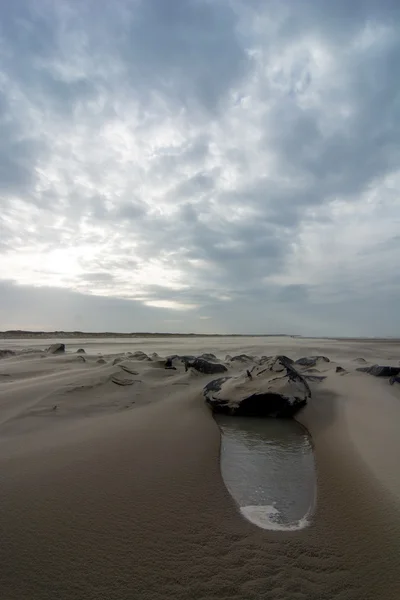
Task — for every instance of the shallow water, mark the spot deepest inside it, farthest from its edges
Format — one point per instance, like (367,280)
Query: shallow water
(268,468)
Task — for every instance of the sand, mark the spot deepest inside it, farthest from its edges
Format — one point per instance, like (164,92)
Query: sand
(115,491)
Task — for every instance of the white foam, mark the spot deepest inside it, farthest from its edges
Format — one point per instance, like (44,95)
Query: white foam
(267,517)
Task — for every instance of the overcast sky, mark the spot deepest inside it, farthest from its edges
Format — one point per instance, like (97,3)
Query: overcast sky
(200,166)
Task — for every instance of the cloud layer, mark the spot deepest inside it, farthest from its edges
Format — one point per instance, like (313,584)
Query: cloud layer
(226,166)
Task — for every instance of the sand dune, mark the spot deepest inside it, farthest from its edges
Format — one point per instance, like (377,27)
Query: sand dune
(115,491)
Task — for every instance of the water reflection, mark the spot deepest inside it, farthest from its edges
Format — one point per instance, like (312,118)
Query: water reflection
(268,467)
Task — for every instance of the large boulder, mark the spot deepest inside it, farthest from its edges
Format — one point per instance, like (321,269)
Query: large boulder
(205,366)
(380,371)
(56,349)
(260,392)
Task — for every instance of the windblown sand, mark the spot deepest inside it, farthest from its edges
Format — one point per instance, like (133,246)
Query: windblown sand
(114,491)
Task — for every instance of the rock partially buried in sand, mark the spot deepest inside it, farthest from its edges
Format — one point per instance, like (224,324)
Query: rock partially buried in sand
(56,349)
(380,371)
(311,361)
(208,356)
(128,368)
(243,358)
(101,361)
(80,351)
(6,353)
(139,355)
(168,364)
(395,379)
(261,395)
(205,366)
(122,380)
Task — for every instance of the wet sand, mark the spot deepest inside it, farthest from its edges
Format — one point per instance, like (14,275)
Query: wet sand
(111,491)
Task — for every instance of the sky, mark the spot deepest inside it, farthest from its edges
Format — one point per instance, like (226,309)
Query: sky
(206,166)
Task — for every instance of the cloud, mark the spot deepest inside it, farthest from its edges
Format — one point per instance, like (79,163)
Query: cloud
(231,159)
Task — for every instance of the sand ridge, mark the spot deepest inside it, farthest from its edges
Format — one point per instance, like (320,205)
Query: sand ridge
(117,492)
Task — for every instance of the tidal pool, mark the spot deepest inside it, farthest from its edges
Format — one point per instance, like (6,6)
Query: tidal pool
(268,467)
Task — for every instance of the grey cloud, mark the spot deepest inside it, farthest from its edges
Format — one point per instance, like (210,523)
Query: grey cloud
(102,277)
(151,67)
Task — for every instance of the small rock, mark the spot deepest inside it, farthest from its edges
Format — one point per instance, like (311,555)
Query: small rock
(129,369)
(380,371)
(242,358)
(56,349)
(117,360)
(81,358)
(205,366)
(101,361)
(169,365)
(80,351)
(139,355)
(340,370)
(122,380)
(394,379)
(6,353)
(311,361)
(315,378)
(208,356)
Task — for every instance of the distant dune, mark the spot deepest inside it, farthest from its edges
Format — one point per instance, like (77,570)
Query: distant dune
(22,334)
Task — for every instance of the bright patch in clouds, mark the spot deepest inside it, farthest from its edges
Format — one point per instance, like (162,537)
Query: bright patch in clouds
(232,163)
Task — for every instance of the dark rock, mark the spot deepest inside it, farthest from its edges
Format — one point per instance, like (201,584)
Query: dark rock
(169,365)
(315,378)
(243,358)
(139,355)
(6,353)
(80,351)
(262,395)
(56,349)
(128,369)
(101,361)
(208,356)
(187,357)
(311,361)
(122,380)
(205,366)
(117,360)
(394,379)
(81,358)
(340,370)
(265,359)
(380,371)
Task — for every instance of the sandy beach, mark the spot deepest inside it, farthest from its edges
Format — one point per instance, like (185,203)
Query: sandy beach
(111,485)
